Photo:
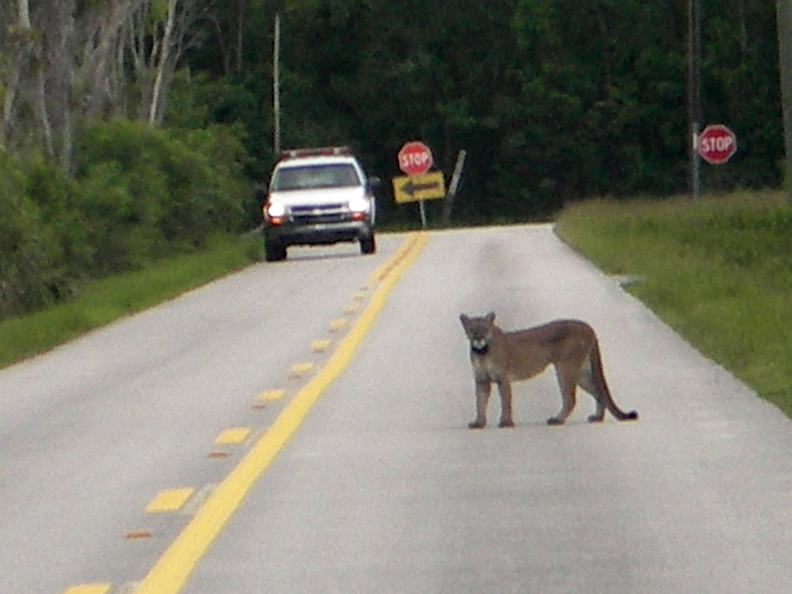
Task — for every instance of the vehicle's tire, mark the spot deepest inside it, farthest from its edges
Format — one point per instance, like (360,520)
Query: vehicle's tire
(274,252)
(368,245)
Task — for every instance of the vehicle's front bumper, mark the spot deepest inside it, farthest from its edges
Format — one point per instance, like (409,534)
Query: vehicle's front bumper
(317,233)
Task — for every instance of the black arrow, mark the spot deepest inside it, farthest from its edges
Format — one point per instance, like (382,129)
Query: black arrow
(411,188)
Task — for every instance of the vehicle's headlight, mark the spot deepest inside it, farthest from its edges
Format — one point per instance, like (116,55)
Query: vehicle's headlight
(276,210)
(359,204)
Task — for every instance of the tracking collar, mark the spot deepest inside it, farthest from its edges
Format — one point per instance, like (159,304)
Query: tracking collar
(481,350)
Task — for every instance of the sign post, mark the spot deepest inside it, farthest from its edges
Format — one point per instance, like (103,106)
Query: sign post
(415,159)
(453,186)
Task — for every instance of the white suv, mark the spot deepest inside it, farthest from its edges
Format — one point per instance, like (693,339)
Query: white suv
(318,196)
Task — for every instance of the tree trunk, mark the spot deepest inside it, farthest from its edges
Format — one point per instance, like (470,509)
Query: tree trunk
(104,31)
(22,61)
(240,27)
(155,114)
(55,86)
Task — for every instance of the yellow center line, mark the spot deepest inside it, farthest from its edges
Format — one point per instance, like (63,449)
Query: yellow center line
(385,269)
(269,395)
(320,346)
(233,436)
(172,569)
(336,325)
(89,589)
(169,500)
(300,369)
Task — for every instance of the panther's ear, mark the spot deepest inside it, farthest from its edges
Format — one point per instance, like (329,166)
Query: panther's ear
(491,316)
(464,319)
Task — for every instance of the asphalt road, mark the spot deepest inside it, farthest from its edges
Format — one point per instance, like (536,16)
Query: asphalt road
(217,444)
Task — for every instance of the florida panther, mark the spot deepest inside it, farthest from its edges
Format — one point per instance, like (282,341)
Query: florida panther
(500,357)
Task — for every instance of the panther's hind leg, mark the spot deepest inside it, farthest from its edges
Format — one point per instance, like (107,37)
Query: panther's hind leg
(587,381)
(601,385)
(567,386)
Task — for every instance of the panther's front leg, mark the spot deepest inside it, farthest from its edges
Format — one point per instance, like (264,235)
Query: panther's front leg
(504,387)
(483,389)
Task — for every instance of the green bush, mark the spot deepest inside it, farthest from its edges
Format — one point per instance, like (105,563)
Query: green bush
(183,186)
(137,194)
(55,193)
(28,263)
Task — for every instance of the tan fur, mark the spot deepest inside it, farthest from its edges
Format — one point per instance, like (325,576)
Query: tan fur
(500,357)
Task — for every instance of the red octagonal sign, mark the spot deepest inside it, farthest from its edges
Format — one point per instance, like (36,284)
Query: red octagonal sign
(415,158)
(717,144)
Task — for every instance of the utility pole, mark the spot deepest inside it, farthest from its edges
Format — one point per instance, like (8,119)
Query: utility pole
(694,92)
(276,141)
(784,20)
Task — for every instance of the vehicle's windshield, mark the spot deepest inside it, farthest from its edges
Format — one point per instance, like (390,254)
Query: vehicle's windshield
(339,175)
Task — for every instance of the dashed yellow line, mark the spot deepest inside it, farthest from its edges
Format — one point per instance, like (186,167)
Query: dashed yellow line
(169,500)
(300,369)
(172,569)
(320,346)
(233,436)
(336,325)
(270,395)
(89,589)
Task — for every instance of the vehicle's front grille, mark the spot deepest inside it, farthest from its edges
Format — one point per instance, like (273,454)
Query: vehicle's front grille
(325,213)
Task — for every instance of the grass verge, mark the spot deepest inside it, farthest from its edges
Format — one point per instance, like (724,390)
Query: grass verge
(103,301)
(718,270)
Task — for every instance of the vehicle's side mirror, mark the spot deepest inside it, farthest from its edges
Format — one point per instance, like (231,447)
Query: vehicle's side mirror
(374,181)
(260,191)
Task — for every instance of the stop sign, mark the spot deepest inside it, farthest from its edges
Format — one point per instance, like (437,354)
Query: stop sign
(415,158)
(717,144)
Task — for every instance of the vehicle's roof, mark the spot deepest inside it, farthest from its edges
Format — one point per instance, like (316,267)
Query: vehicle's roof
(316,160)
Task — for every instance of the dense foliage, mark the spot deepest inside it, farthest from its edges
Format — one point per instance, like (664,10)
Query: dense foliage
(553,101)
(131,129)
(137,195)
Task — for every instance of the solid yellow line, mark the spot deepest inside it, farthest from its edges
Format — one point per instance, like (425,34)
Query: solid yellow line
(383,270)
(172,569)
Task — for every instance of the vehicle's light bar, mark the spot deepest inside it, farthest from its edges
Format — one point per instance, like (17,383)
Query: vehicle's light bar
(314,152)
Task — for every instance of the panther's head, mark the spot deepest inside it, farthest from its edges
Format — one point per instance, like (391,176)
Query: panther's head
(479,331)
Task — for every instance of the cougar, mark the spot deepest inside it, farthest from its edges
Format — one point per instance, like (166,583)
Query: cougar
(504,357)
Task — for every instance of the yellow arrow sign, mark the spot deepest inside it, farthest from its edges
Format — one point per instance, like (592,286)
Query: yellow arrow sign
(412,188)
